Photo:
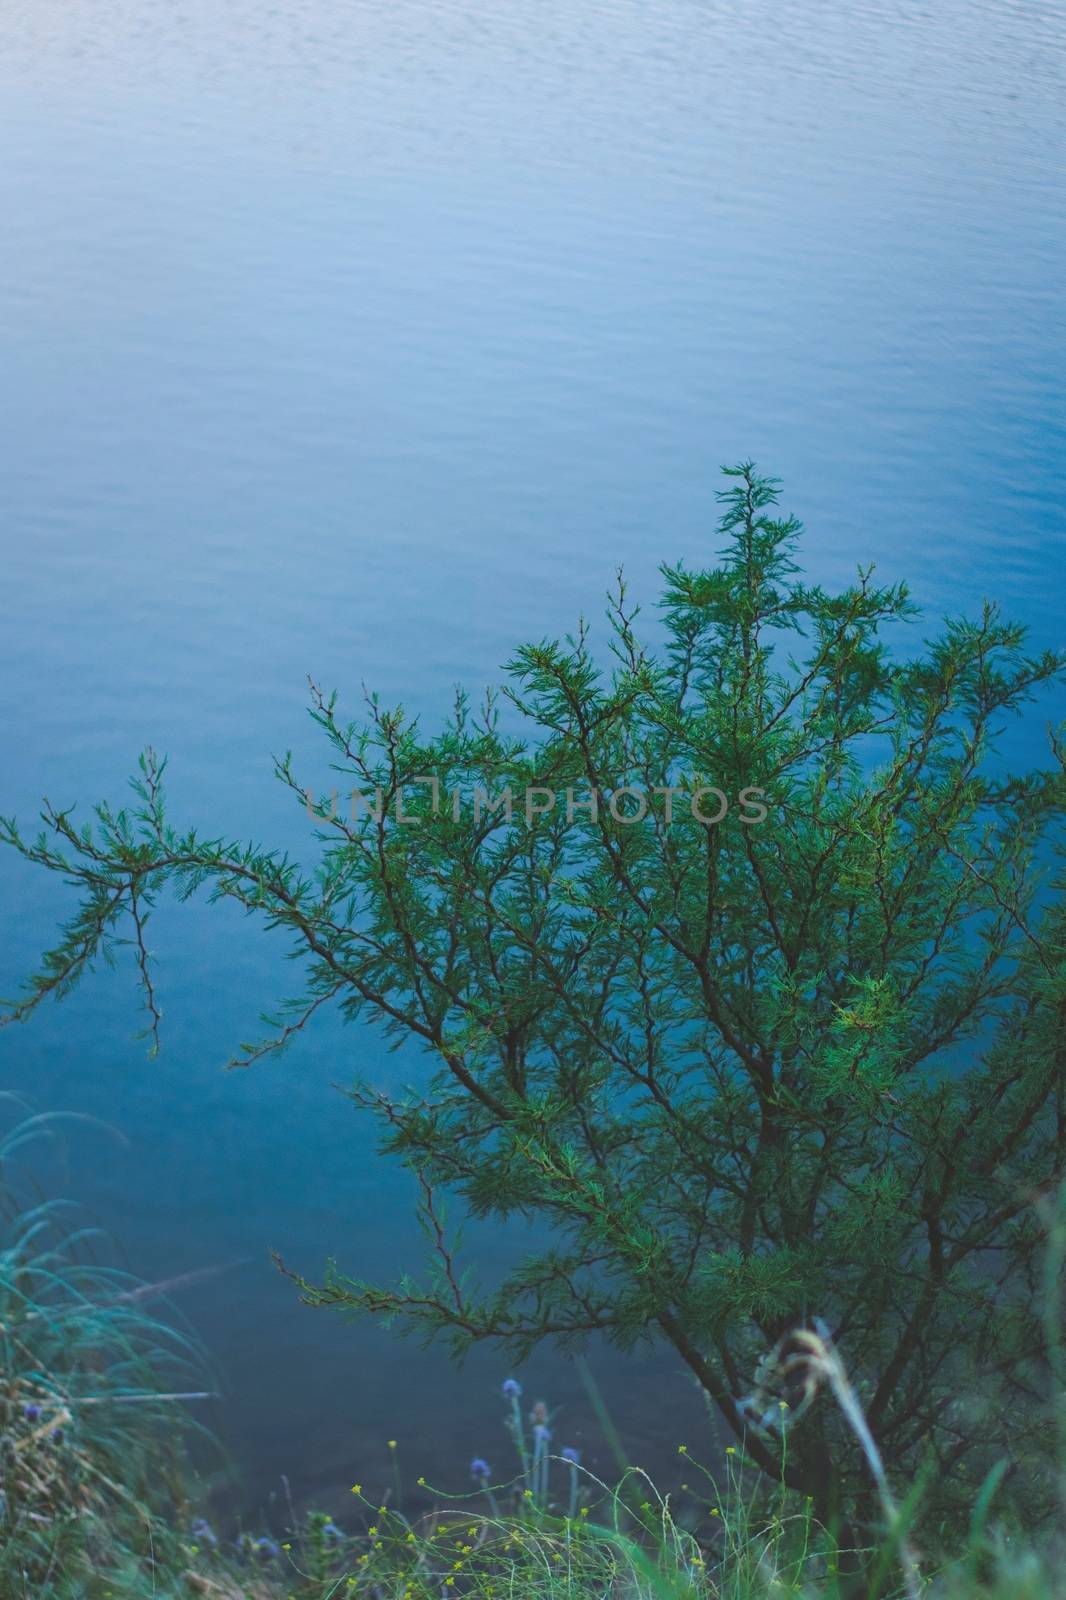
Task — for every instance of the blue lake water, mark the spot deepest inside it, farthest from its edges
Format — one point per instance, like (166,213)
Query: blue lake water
(365,339)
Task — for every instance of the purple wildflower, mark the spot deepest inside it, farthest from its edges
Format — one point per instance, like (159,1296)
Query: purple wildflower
(541,1434)
(269,1549)
(31,1412)
(331,1533)
(203,1533)
(512,1389)
(568,1453)
(479,1468)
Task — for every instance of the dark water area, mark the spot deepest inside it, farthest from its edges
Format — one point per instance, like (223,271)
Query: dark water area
(365,341)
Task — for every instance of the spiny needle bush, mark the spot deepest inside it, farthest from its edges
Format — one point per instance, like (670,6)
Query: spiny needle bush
(742,1071)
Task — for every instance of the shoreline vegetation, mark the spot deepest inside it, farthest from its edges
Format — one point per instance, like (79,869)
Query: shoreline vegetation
(98,1500)
(787,1099)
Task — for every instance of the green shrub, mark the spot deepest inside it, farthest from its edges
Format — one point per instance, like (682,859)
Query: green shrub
(743,1072)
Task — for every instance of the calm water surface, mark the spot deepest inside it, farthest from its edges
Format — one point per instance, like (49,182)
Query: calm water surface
(365,339)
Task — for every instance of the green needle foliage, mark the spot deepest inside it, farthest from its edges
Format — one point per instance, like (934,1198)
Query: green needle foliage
(744,1072)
